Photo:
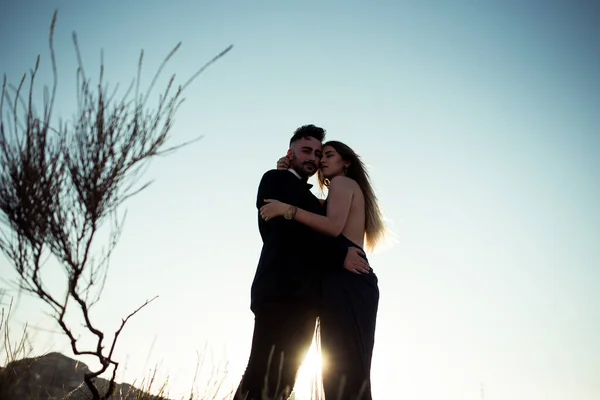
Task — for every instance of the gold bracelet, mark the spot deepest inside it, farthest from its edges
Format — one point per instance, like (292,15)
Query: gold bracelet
(290,213)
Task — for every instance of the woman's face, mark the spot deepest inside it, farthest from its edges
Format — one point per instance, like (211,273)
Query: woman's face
(332,163)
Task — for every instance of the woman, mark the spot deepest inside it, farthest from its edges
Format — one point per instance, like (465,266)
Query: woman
(350,298)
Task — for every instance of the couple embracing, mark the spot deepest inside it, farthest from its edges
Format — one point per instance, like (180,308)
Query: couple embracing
(312,267)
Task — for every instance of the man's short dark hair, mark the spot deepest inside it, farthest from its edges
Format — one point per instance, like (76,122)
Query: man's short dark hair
(308,131)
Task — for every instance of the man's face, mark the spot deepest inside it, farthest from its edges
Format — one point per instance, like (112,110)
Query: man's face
(305,156)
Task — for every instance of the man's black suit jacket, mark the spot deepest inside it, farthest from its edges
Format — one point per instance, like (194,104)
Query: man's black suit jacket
(293,255)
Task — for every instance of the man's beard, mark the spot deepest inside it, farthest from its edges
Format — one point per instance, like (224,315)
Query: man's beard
(304,168)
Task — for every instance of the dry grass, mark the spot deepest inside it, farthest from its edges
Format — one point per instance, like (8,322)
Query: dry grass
(16,346)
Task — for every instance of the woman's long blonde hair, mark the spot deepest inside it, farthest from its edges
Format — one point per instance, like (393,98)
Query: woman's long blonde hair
(374,225)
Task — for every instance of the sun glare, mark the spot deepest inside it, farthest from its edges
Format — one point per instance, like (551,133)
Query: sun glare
(309,376)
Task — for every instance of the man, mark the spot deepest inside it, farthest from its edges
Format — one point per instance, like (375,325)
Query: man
(285,292)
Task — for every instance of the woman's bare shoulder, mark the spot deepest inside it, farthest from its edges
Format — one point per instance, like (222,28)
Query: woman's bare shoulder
(343,183)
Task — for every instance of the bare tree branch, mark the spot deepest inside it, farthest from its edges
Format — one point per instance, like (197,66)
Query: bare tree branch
(60,186)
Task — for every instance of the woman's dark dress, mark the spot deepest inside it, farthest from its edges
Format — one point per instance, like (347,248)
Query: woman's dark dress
(347,330)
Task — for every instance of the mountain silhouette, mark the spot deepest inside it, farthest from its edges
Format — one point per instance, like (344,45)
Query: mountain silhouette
(56,376)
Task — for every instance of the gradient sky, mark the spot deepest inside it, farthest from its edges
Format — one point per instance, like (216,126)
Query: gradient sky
(480,124)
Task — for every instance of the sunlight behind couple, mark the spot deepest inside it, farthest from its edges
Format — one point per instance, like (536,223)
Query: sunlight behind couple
(309,376)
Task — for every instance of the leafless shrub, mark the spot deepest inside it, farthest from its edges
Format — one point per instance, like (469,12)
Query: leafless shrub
(59,186)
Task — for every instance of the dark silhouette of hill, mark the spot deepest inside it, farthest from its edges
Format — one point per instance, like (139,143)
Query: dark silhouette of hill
(56,376)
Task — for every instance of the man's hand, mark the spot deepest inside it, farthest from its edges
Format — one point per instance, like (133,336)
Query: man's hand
(283,163)
(355,263)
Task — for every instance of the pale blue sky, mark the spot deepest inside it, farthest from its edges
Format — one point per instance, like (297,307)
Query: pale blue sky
(480,124)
